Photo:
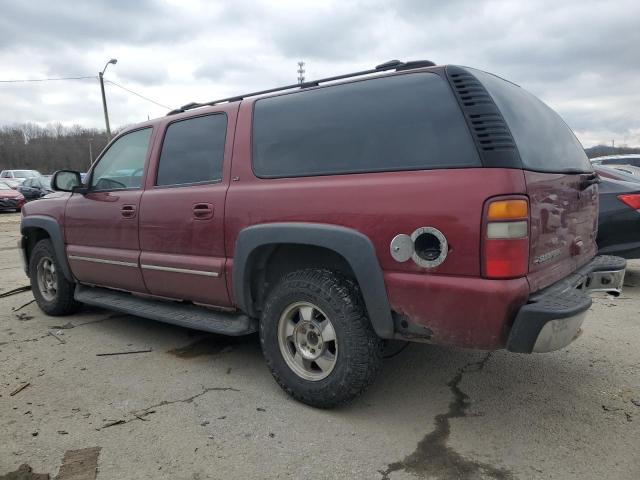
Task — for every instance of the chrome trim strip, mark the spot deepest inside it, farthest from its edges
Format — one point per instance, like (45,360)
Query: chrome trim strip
(102,260)
(180,270)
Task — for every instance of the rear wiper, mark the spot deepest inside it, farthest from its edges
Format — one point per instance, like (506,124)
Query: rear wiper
(588,180)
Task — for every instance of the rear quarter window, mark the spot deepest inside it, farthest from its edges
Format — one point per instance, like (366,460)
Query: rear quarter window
(545,142)
(404,122)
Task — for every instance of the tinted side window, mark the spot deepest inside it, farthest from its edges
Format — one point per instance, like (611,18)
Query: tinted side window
(404,122)
(122,165)
(193,151)
(544,141)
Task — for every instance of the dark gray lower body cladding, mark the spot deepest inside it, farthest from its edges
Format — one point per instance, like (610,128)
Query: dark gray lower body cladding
(185,315)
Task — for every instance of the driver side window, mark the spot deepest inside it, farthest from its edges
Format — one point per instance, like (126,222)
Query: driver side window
(122,165)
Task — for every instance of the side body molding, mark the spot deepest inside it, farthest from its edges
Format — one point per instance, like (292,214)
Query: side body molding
(51,226)
(352,245)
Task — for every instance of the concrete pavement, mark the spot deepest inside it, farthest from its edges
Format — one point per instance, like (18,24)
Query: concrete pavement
(199,406)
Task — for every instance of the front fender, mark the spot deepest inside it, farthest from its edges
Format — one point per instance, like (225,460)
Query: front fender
(54,230)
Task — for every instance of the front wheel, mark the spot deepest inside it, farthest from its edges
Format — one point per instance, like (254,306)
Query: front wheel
(52,291)
(317,339)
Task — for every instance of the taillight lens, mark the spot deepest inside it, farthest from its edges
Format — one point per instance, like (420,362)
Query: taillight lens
(631,199)
(506,238)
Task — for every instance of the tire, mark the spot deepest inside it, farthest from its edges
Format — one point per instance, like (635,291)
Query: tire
(52,291)
(294,321)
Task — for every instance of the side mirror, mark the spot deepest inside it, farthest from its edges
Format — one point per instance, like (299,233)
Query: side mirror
(66,180)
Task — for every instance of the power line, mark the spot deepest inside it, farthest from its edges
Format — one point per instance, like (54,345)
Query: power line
(25,80)
(29,80)
(137,94)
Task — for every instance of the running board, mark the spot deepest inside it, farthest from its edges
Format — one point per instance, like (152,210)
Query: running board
(176,313)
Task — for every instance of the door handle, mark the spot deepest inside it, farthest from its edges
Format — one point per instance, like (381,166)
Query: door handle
(128,211)
(202,211)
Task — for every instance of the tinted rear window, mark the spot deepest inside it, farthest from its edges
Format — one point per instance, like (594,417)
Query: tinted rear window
(405,122)
(544,140)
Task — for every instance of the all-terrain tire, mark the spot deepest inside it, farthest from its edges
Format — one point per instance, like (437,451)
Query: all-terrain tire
(359,349)
(59,300)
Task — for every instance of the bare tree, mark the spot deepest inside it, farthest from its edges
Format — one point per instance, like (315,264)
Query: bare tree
(49,148)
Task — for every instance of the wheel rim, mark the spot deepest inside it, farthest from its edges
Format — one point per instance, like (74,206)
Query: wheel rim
(47,279)
(307,341)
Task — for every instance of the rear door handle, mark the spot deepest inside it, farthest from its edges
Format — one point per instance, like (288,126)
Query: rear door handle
(202,211)
(128,211)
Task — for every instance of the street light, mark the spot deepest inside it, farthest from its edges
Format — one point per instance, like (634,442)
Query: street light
(104,99)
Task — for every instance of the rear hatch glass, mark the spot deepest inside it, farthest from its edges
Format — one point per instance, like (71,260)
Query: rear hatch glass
(563,200)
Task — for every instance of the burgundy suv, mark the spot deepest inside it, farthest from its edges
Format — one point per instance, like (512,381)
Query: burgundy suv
(439,204)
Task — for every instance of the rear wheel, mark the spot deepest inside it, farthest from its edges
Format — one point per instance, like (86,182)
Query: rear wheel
(317,339)
(52,291)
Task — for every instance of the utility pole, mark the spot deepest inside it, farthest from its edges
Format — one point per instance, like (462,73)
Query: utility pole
(104,99)
(300,71)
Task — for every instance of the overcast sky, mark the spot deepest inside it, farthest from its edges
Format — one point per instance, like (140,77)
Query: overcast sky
(581,57)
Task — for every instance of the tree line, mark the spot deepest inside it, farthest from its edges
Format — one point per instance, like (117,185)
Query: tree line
(49,148)
(55,147)
(602,150)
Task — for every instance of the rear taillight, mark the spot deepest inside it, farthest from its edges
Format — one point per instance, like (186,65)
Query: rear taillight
(631,199)
(506,238)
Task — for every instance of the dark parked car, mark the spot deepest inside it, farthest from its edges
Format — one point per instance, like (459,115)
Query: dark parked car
(10,199)
(330,217)
(627,173)
(36,187)
(619,219)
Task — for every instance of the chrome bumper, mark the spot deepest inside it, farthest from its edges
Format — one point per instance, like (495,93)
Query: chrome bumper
(605,281)
(553,317)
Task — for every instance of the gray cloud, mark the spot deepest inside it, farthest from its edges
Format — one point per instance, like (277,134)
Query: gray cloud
(580,57)
(79,23)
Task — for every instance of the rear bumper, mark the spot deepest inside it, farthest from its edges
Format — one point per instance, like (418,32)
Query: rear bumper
(552,318)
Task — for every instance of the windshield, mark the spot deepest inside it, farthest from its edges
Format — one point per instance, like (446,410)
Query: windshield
(25,173)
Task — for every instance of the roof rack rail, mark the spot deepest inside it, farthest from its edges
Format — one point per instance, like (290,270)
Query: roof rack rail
(396,65)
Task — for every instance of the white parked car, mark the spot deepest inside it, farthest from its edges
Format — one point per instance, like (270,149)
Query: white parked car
(13,178)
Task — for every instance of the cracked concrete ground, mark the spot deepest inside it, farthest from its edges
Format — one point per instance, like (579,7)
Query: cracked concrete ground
(199,406)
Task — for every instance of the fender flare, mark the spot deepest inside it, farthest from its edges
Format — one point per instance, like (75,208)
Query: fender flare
(54,230)
(352,245)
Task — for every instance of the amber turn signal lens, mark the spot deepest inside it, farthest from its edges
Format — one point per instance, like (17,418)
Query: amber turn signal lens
(508,209)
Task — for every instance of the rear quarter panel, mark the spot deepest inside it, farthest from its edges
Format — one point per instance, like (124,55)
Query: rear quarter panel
(380,205)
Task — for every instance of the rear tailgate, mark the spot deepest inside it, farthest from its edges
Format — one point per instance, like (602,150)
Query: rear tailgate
(564,218)
(560,183)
